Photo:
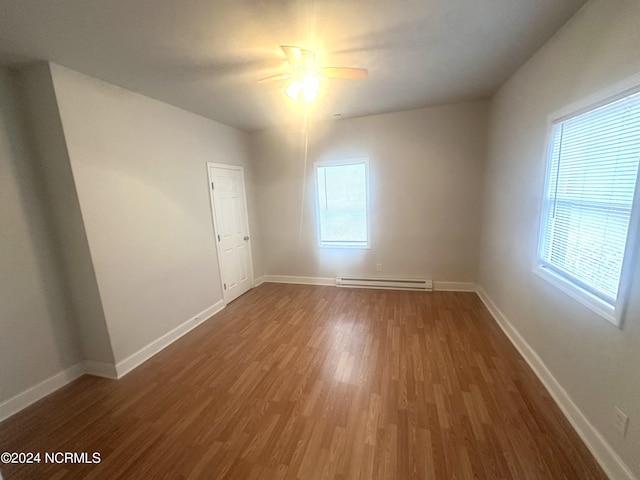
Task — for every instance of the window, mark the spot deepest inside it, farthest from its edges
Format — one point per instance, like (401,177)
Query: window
(343,203)
(584,245)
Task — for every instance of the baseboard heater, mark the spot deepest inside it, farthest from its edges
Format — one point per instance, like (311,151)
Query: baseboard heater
(420,284)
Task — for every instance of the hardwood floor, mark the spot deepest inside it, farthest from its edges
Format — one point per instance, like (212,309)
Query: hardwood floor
(293,381)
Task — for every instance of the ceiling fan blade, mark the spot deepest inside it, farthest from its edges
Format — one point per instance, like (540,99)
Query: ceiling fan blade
(294,54)
(344,73)
(284,76)
(298,56)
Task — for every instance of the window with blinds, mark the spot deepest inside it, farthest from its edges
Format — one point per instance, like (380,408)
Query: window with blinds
(589,196)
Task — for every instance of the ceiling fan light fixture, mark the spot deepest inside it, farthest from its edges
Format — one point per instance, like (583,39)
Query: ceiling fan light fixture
(306,74)
(311,83)
(309,87)
(310,95)
(293,90)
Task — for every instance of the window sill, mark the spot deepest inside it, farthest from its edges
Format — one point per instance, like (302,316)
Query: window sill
(350,246)
(593,303)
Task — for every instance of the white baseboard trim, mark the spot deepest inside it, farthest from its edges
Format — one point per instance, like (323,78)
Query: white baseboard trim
(327,281)
(100,369)
(604,454)
(454,287)
(145,353)
(258,281)
(23,400)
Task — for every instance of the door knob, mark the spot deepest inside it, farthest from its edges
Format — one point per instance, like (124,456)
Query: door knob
(246,238)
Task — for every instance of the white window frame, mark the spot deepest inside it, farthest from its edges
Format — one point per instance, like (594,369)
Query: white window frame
(343,162)
(615,312)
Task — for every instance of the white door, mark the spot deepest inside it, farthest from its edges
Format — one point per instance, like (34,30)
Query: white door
(231,229)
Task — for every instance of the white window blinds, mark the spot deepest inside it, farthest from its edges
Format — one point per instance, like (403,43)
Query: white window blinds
(590,187)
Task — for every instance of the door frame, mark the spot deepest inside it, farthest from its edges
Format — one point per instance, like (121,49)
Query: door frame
(215,221)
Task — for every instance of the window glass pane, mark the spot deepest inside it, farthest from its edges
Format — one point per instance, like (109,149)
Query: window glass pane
(589,195)
(342,203)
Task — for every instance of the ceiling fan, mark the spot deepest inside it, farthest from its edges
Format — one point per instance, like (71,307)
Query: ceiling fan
(306,74)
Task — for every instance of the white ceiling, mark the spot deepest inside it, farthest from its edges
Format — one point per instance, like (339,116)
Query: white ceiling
(206,55)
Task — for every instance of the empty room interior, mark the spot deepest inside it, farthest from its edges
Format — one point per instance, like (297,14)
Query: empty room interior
(305,239)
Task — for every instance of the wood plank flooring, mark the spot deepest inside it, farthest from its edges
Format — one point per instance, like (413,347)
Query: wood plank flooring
(306,382)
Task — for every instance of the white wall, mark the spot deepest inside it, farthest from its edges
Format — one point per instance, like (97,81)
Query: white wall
(595,362)
(426,180)
(38,338)
(139,167)
(62,209)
